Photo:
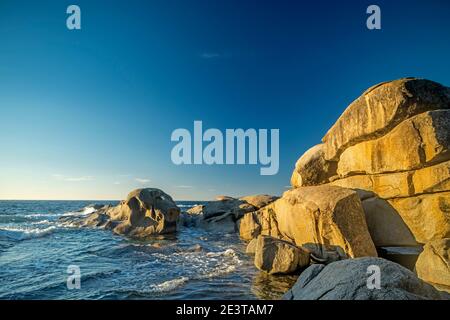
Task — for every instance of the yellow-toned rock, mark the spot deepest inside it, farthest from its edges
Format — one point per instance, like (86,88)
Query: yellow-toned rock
(386,226)
(380,109)
(259,222)
(259,200)
(427,215)
(324,217)
(416,142)
(430,179)
(385,186)
(433,264)
(275,256)
(312,168)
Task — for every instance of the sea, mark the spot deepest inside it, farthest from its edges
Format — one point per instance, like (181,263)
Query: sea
(40,257)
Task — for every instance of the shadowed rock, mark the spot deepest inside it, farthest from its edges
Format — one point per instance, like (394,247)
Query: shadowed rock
(348,280)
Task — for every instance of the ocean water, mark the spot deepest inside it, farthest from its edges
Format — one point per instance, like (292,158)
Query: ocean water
(36,250)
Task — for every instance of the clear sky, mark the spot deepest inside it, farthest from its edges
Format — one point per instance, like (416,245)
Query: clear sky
(88,114)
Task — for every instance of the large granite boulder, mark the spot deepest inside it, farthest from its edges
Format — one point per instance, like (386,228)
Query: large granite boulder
(392,146)
(386,225)
(276,256)
(414,143)
(427,215)
(221,215)
(312,168)
(145,212)
(435,178)
(349,279)
(259,200)
(322,217)
(433,264)
(379,109)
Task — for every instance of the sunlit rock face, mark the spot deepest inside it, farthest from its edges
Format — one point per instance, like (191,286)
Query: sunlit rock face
(145,212)
(276,256)
(433,264)
(322,217)
(379,179)
(381,108)
(392,146)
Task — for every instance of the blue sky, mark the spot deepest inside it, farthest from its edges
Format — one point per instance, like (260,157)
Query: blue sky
(88,114)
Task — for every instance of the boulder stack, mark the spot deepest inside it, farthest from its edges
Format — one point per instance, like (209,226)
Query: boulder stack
(392,144)
(323,218)
(380,177)
(145,212)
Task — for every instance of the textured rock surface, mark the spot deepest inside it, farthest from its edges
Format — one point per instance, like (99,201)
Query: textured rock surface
(275,256)
(222,214)
(144,213)
(259,200)
(312,168)
(414,143)
(427,215)
(347,280)
(325,217)
(380,109)
(386,226)
(251,246)
(433,264)
(430,179)
(263,222)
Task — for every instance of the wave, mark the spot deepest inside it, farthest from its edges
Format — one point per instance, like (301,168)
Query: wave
(188,205)
(169,285)
(220,268)
(83,212)
(19,233)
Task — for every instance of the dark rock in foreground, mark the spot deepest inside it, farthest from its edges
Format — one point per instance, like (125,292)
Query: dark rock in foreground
(347,280)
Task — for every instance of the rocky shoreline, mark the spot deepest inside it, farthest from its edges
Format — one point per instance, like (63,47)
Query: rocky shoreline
(379,179)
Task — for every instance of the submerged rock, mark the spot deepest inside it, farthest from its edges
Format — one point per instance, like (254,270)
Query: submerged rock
(348,280)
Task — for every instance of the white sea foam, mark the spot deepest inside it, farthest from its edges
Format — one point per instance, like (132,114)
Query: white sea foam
(169,285)
(188,205)
(38,215)
(85,211)
(21,233)
(198,266)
